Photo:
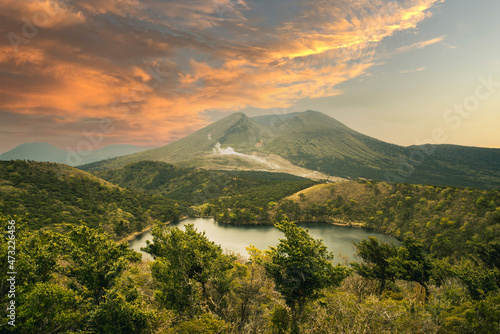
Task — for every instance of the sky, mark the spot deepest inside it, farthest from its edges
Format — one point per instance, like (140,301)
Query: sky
(86,74)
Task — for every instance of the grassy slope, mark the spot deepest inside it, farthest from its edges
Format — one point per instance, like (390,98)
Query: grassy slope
(316,141)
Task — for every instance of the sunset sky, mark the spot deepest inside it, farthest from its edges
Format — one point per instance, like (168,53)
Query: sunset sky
(148,72)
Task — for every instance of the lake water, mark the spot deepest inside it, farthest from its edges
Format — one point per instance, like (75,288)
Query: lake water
(236,238)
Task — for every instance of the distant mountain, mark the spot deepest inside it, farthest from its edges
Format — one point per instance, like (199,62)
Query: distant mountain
(35,152)
(312,141)
(48,153)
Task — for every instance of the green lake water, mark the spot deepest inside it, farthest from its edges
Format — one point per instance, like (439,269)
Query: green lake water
(236,238)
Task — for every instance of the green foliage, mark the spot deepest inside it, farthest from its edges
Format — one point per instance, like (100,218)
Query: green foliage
(77,280)
(74,278)
(413,264)
(251,206)
(489,253)
(479,279)
(95,261)
(204,324)
(49,308)
(191,271)
(445,220)
(122,311)
(300,267)
(72,281)
(233,197)
(456,312)
(377,261)
(280,320)
(344,312)
(53,194)
(252,297)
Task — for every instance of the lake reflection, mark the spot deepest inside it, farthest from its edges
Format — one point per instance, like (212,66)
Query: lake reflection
(236,238)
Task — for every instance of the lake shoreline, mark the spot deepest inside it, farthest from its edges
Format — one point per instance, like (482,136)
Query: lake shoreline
(349,224)
(135,235)
(336,236)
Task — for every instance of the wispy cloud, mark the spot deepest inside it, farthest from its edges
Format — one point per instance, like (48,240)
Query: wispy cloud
(420,69)
(420,45)
(223,54)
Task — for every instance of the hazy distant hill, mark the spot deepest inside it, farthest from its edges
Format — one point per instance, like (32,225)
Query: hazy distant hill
(35,152)
(49,153)
(317,142)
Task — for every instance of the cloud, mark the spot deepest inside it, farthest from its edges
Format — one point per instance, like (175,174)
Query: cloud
(420,69)
(155,66)
(420,45)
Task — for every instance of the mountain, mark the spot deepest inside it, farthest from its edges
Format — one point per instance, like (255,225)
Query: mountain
(49,153)
(318,142)
(237,129)
(36,152)
(311,142)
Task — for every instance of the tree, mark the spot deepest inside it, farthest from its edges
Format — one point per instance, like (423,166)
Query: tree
(50,308)
(489,253)
(122,311)
(204,324)
(413,264)
(377,264)
(300,267)
(191,271)
(95,260)
(253,295)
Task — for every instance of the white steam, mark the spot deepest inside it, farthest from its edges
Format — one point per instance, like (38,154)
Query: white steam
(217,150)
(225,151)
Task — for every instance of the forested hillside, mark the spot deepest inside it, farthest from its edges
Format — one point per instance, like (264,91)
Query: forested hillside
(448,221)
(198,186)
(51,193)
(443,278)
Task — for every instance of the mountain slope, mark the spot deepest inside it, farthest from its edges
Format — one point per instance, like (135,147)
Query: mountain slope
(316,142)
(236,129)
(447,220)
(319,142)
(52,194)
(45,152)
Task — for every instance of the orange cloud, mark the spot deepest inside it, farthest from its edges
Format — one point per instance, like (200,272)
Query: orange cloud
(155,67)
